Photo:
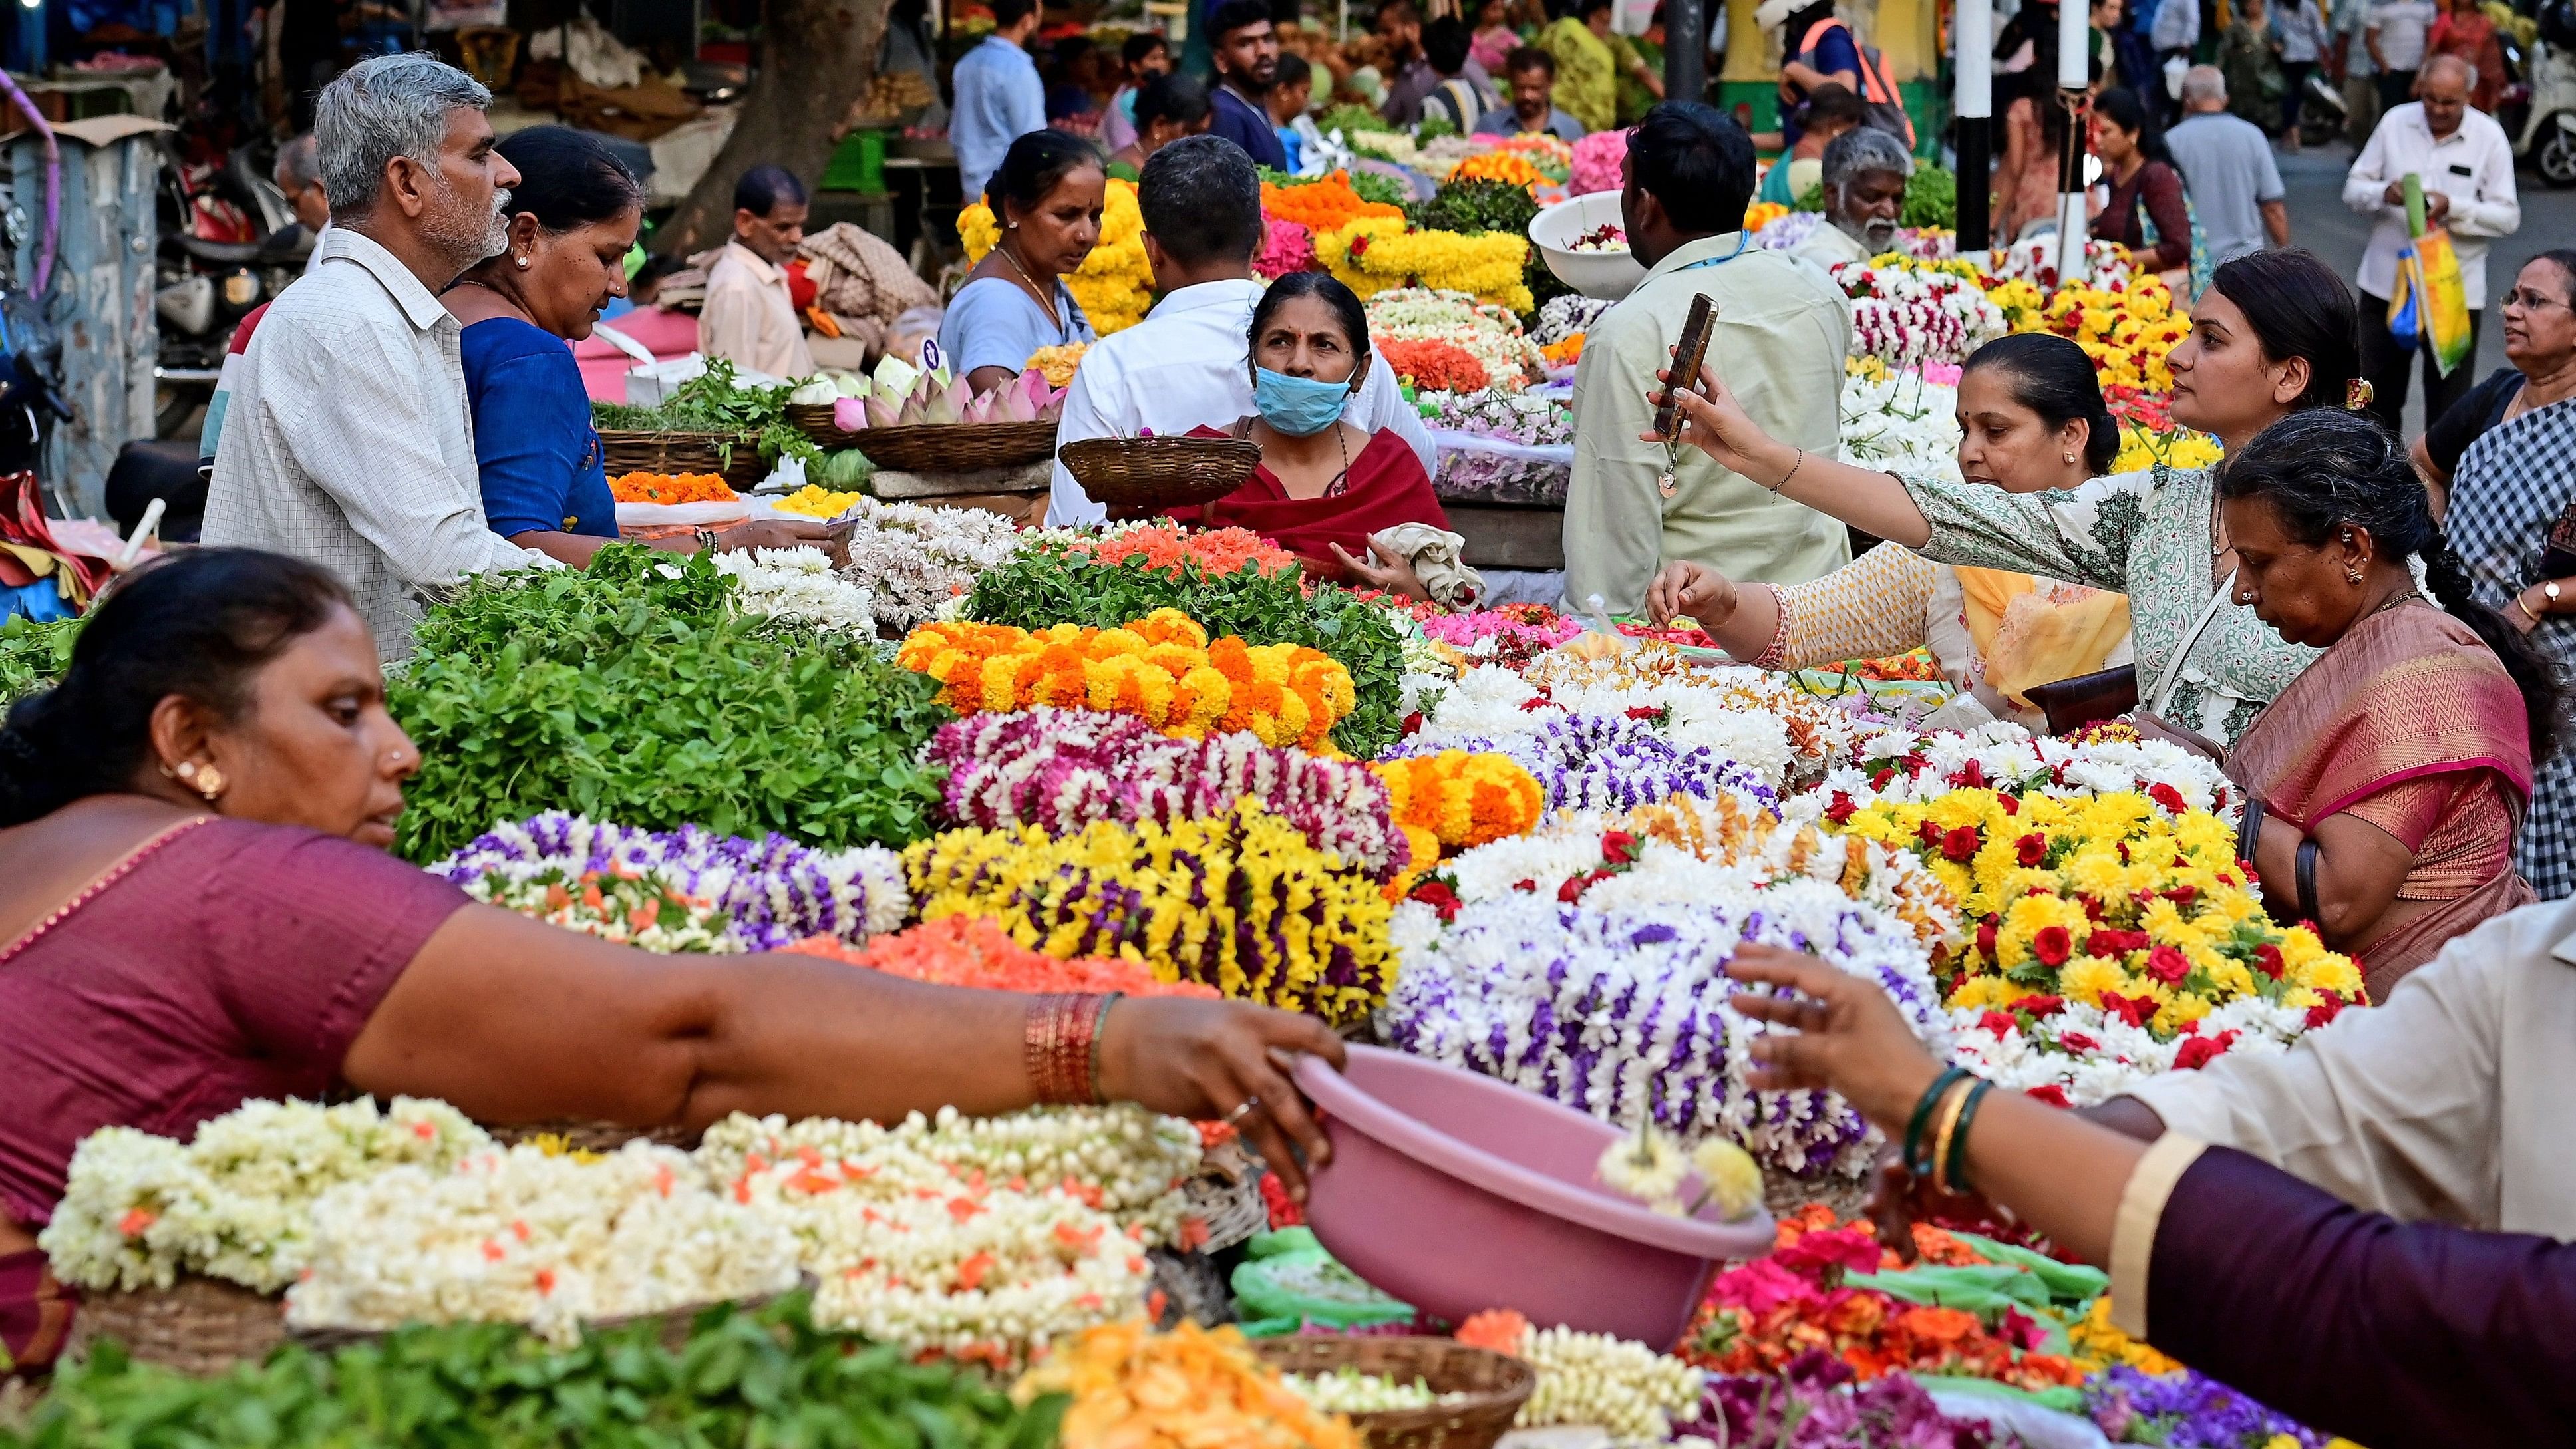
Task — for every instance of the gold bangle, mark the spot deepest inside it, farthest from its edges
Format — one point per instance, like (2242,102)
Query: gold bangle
(1949,1110)
(2526,609)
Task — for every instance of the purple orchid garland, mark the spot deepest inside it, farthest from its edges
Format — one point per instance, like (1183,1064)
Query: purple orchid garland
(1608,762)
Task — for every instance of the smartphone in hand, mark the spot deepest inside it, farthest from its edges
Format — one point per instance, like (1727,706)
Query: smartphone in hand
(1687,358)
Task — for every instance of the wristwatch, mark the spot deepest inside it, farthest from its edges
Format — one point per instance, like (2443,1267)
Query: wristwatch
(2549,591)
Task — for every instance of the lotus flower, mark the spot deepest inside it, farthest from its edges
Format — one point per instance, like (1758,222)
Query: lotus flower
(948,404)
(816,389)
(894,377)
(850,414)
(884,412)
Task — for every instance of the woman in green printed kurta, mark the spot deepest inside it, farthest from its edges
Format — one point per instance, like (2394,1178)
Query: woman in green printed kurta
(2274,333)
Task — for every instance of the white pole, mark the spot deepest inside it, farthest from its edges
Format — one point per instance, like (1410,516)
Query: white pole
(1973,32)
(2074,78)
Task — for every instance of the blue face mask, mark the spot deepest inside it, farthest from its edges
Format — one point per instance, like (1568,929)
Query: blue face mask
(1298,406)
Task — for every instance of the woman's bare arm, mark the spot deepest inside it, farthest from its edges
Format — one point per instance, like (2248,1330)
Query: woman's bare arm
(2359,867)
(513,1020)
(1875,503)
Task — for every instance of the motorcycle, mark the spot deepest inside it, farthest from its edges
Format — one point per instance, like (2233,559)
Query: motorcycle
(229,242)
(2323,114)
(2546,135)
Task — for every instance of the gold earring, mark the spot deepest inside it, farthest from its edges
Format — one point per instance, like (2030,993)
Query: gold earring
(2066,457)
(206,780)
(2352,576)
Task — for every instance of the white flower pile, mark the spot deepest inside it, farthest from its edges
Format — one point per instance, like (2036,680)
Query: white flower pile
(1626,1388)
(915,559)
(1906,318)
(526,1237)
(798,585)
(1901,767)
(235,1202)
(1901,423)
(1346,1390)
(2092,1056)
(1483,330)
(981,1240)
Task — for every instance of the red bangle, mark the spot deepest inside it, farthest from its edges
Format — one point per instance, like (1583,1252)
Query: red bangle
(1778,650)
(1058,1045)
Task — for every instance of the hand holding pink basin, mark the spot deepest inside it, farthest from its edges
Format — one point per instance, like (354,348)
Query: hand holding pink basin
(1457,1192)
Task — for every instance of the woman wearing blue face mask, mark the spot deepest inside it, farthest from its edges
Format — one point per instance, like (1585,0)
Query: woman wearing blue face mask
(1324,487)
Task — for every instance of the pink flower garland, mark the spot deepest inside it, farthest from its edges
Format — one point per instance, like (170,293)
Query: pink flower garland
(1287,247)
(1462,630)
(1596,162)
(1061,769)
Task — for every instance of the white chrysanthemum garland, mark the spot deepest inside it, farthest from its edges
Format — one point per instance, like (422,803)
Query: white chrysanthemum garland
(771,891)
(1901,422)
(2074,1055)
(1623,1013)
(914,559)
(797,585)
(523,1236)
(1623,1386)
(1899,766)
(236,1201)
(979,1239)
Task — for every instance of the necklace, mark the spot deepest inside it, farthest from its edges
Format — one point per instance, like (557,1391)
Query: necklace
(1341,440)
(1046,303)
(2391,602)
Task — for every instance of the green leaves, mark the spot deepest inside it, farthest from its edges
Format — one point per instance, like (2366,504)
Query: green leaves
(742,1379)
(631,691)
(1044,584)
(33,655)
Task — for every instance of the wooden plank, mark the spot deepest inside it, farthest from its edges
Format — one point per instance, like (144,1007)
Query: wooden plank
(1501,536)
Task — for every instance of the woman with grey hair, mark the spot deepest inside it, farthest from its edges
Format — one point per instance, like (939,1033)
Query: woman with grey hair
(1865,170)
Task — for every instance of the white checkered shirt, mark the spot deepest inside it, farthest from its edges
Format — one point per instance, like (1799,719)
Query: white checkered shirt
(348,440)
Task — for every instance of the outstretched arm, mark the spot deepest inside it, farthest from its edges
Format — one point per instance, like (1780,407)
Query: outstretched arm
(1715,423)
(513,1020)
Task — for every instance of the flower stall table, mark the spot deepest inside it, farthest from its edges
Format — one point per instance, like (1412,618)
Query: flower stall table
(1018,493)
(1507,499)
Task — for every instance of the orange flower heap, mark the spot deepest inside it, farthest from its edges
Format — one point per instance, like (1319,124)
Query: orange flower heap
(1165,547)
(1321,205)
(671,488)
(974,951)
(1162,669)
(1457,801)
(1499,165)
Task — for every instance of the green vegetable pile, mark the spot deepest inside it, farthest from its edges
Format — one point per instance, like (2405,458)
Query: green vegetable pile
(1047,584)
(741,1380)
(33,655)
(1351,116)
(1931,198)
(1384,190)
(1484,204)
(714,402)
(631,691)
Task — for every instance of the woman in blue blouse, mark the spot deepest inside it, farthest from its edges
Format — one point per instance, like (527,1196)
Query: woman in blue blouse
(1047,197)
(572,220)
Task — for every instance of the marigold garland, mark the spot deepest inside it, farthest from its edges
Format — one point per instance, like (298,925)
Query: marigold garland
(973,951)
(1114,284)
(1373,254)
(1499,165)
(1162,669)
(1166,547)
(1434,366)
(1322,204)
(1241,902)
(1462,800)
(669,488)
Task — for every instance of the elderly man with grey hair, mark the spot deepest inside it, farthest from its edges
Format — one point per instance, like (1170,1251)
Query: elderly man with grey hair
(347,440)
(2227,170)
(1864,180)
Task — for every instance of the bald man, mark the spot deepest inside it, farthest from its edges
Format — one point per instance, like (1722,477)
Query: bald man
(2467,169)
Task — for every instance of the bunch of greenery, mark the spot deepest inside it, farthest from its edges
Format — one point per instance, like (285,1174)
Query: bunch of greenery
(741,1380)
(1931,198)
(715,401)
(1351,116)
(1432,127)
(34,655)
(1385,190)
(1047,584)
(633,691)
(1485,204)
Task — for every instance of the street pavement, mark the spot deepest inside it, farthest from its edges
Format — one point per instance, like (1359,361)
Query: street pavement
(2313,184)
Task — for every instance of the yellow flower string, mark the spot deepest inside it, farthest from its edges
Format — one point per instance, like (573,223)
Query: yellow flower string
(1241,902)
(1460,800)
(1373,254)
(1161,668)
(1114,284)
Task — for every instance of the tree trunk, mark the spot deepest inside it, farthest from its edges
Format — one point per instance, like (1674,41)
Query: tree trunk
(816,59)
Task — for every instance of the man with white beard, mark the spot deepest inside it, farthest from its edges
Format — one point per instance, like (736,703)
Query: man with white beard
(348,440)
(1864,180)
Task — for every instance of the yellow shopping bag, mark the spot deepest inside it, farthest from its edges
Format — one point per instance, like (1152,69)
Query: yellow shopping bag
(2429,307)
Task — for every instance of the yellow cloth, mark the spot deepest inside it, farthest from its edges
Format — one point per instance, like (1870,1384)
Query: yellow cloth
(2028,635)
(1587,73)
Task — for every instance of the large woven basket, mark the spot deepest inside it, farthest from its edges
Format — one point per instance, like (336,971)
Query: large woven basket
(814,420)
(1148,475)
(197,1325)
(1225,1196)
(677,453)
(1494,1385)
(675,1321)
(955,447)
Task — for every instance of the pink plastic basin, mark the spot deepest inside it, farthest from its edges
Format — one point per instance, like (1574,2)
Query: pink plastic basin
(1456,1193)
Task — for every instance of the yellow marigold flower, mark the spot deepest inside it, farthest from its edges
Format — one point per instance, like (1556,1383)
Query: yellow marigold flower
(2087,977)
(1981,993)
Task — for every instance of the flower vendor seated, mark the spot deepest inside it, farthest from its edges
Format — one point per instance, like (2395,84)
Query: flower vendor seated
(1864,179)
(2409,1335)
(1168,107)
(1686,180)
(2274,334)
(2030,418)
(1325,487)
(571,221)
(1184,366)
(1047,196)
(2385,785)
(199,910)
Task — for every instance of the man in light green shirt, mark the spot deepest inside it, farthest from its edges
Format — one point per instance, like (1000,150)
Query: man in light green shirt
(1782,330)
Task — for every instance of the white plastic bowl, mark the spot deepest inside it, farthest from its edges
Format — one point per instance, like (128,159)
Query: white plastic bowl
(1607,276)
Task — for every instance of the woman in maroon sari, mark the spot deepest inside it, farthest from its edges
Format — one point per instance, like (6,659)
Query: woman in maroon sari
(2386,783)
(1325,489)
(198,910)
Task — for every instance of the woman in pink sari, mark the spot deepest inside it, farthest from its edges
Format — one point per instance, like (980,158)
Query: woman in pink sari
(2388,780)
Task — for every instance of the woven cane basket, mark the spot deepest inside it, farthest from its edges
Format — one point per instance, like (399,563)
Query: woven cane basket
(1148,475)
(676,1322)
(955,447)
(678,453)
(1494,1385)
(814,420)
(197,1325)
(1225,1196)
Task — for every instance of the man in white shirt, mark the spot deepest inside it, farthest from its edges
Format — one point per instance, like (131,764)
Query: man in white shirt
(2227,166)
(1190,361)
(2395,35)
(348,440)
(748,317)
(2467,169)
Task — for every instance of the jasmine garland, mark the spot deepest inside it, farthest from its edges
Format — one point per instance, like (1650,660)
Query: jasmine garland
(1624,1013)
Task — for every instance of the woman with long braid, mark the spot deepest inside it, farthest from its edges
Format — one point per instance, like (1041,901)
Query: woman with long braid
(2385,785)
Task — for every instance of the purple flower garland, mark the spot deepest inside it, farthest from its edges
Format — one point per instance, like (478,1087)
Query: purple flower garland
(1608,762)
(2187,1410)
(1812,1404)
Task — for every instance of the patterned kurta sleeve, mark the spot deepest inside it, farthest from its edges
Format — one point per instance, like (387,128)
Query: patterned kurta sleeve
(2082,535)
(1871,607)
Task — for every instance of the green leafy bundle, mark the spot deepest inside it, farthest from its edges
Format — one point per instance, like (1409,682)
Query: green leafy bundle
(1931,198)
(742,1379)
(1351,116)
(1375,186)
(1047,584)
(715,401)
(33,655)
(631,691)
(1485,204)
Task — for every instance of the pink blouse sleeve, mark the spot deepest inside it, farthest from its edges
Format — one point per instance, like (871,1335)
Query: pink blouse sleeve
(305,933)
